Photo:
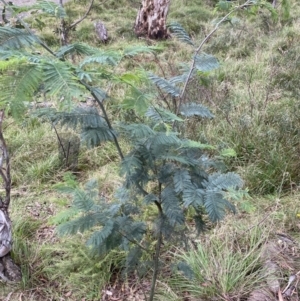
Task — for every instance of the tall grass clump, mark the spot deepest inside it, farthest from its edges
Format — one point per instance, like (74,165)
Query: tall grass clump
(222,266)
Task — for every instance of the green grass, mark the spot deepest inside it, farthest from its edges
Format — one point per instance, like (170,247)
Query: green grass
(223,266)
(254,96)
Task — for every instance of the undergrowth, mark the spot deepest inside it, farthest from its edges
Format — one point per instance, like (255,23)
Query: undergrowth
(254,94)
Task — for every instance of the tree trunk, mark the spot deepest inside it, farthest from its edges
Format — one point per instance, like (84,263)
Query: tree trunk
(151,19)
(9,271)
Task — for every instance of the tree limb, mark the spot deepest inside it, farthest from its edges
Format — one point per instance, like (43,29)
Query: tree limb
(81,19)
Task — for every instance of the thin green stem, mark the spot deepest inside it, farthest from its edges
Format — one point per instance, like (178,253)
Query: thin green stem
(192,67)
(105,117)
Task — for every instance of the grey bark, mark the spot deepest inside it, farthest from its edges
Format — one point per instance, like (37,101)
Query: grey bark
(101,31)
(9,271)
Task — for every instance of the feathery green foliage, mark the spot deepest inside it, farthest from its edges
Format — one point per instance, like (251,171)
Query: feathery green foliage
(178,31)
(92,126)
(179,179)
(165,85)
(14,38)
(163,169)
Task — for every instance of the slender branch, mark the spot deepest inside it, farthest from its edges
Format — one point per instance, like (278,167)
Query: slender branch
(81,19)
(59,140)
(248,2)
(158,247)
(134,242)
(68,153)
(90,89)
(156,266)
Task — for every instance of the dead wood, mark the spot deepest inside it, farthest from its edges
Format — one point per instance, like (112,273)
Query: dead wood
(151,19)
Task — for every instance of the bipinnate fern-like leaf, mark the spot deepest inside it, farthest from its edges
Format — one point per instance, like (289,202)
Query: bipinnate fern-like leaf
(112,241)
(224,181)
(176,158)
(129,165)
(165,173)
(182,180)
(136,100)
(51,8)
(163,139)
(94,136)
(171,207)
(100,237)
(89,117)
(179,79)
(195,109)
(76,48)
(136,131)
(179,32)
(27,79)
(165,85)
(80,224)
(64,216)
(206,62)
(82,200)
(150,198)
(215,203)
(102,57)
(151,144)
(140,49)
(160,115)
(78,117)
(192,195)
(117,232)
(83,76)
(131,230)
(94,128)
(14,38)
(161,145)
(60,81)
(89,208)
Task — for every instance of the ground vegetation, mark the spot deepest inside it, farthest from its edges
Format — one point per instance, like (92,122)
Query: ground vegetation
(150,105)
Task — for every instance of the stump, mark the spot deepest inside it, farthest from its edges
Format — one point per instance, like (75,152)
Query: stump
(101,31)
(9,271)
(151,19)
